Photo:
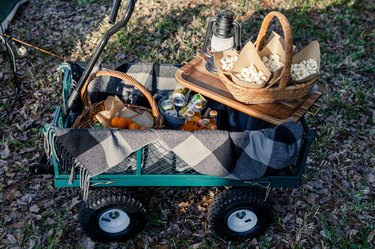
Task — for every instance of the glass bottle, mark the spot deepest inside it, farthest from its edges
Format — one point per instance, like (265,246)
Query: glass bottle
(197,98)
(189,124)
(189,115)
(197,109)
(213,117)
(213,120)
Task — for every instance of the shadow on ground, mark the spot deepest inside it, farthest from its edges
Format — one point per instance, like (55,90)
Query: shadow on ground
(332,208)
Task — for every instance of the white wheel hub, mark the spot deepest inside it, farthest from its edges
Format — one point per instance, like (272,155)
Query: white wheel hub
(242,220)
(114,220)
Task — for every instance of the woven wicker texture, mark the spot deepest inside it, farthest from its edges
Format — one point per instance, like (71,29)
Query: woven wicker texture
(281,91)
(87,117)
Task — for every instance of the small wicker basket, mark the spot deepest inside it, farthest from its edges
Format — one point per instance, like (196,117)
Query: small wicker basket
(278,92)
(88,117)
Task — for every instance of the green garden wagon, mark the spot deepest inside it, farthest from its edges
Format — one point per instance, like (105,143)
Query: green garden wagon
(241,210)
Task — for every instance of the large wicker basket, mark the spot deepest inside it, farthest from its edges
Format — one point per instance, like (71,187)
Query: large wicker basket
(88,117)
(285,90)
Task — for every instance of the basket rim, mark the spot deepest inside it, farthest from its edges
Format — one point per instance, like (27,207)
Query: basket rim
(265,89)
(91,109)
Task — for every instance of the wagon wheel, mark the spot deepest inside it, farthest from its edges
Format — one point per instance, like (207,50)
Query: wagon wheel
(240,213)
(112,216)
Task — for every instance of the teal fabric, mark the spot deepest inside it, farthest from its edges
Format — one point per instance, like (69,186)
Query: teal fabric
(6,6)
(8,9)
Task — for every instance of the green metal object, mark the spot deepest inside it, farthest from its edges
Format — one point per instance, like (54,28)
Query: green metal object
(162,172)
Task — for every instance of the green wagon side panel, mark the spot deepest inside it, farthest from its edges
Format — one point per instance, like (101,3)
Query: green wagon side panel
(140,177)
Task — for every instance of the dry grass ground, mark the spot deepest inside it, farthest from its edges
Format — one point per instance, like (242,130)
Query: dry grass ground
(335,206)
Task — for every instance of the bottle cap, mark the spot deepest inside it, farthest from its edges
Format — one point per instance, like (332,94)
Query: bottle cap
(206,121)
(213,113)
(198,106)
(189,114)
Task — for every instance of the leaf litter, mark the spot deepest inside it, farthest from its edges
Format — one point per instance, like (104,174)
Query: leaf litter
(334,207)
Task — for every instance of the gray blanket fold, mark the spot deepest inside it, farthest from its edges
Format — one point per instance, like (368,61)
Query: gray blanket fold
(236,155)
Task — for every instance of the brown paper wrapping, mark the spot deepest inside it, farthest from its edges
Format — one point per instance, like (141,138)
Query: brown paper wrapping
(276,45)
(113,107)
(242,62)
(310,51)
(250,56)
(218,55)
(280,39)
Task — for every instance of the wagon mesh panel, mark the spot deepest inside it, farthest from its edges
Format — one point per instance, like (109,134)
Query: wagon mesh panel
(156,160)
(127,167)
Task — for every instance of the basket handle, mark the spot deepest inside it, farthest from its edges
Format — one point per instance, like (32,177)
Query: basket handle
(288,43)
(125,77)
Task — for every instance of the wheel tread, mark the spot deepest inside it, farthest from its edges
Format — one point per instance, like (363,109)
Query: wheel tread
(229,198)
(108,197)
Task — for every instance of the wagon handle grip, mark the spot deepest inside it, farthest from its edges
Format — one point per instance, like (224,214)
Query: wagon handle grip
(74,101)
(114,11)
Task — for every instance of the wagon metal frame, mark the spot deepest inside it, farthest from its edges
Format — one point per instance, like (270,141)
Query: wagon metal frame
(240,211)
(139,178)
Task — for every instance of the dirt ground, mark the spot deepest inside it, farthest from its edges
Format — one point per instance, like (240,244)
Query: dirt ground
(333,208)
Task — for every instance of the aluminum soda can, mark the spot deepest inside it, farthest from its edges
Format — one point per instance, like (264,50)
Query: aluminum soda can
(180,96)
(168,107)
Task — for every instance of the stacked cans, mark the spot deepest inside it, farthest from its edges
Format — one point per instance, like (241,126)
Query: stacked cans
(182,100)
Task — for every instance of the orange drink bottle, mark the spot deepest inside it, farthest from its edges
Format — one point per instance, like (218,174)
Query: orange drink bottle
(213,120)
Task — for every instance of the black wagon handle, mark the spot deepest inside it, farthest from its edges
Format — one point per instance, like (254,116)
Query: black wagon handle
(114,11)
(74,102)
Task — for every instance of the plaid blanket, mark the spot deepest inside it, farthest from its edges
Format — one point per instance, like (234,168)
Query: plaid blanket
(235,155)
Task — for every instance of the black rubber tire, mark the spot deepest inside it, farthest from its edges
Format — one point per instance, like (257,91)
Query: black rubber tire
(93,209)
(234,200)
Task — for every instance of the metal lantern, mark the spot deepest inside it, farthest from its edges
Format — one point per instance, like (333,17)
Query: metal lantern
(220,36)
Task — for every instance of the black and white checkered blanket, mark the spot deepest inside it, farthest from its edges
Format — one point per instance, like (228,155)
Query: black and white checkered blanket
(236,155)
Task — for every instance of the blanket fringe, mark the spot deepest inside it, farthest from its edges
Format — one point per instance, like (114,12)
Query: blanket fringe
(84,178)
(47,133)
(49,141)
(85,182)
(54,147)
(46,143)
(72,172)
